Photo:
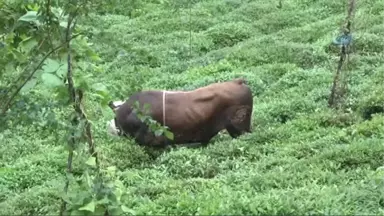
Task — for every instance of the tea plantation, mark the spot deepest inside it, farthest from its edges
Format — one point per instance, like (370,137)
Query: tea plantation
(302,157)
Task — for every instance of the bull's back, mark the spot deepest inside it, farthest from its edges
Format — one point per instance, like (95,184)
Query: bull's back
(189,110)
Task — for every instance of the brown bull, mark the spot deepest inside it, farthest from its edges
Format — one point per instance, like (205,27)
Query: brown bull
(192,116)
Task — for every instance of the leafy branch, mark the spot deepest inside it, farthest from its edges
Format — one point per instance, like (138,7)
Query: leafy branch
(6,106)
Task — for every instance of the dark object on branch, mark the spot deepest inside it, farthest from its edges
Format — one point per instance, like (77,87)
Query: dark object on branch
(344,40)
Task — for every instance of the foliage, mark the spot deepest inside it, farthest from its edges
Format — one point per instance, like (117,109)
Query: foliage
(301,158)
(51,27)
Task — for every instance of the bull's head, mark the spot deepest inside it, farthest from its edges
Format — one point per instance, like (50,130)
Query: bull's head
(111,125)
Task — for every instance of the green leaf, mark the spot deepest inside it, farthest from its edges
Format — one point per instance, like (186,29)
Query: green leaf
(104,102)
(380,169)
(99,87)
(152,121)
(65,197)
(89,207)
(152,127)
(10,66)
(82,83)
(29,85)
(114,210)
(30,16)
(88,179)
(142,117)
(63,24)
(146,107)
(125,209)
(92,55)
(28,44)
(57,11)
(91,161)
(62,71)
(51,66)
(95,58)
(111,168)
(76,212)
(4,170)
(51,80)
(20,57)
(61,94)
(100,210)
(158,132)
(169,134)
(98,96)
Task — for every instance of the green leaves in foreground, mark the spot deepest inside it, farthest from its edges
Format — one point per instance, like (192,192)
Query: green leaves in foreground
(94,193)
(91,161)
(51,80)
(153,125)
(89,207)
(30,16)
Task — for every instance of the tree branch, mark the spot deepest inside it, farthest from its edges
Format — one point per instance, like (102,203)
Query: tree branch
(76,96)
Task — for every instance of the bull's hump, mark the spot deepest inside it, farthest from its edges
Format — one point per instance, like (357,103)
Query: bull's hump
(240,81)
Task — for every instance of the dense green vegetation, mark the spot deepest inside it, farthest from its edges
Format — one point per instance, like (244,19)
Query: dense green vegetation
(302,156)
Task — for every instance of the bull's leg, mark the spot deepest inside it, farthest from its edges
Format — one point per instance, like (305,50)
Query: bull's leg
(213,131)
(233,131)
(205,144)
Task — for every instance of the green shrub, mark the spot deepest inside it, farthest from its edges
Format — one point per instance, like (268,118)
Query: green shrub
(229,34)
